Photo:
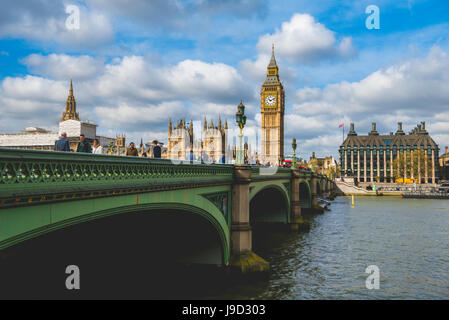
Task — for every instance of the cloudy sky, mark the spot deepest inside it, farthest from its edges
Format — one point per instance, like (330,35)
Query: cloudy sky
(135,64)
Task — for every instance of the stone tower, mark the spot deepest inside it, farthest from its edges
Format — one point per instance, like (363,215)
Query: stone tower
(272,108)
(183,145)
(70,106)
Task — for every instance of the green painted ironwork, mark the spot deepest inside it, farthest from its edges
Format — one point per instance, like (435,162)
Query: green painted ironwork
(220,200)
(26,175)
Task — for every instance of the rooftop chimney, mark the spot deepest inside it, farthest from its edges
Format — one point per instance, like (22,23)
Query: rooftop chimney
(400,132)
(351,130)
(373,130)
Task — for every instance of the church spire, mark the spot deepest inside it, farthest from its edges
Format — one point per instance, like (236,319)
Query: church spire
(70,106)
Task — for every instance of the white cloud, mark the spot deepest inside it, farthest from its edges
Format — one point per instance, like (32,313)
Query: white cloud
(302,39)
(63,67)
(45,21)
(138,79)
(130,94)
(32,88)
(125,115)
(409,92)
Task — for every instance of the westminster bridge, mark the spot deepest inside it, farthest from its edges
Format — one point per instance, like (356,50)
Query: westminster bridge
(211,207)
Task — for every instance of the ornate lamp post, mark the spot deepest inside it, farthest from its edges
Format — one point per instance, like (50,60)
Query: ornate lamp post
(294,145)
(240,118)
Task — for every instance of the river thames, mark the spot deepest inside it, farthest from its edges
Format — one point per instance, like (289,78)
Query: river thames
(407,239)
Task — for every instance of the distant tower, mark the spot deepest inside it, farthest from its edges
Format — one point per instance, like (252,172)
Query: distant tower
(272,108)
(70,106)
(120,142)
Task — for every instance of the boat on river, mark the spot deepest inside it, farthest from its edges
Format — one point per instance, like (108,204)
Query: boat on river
(324,204)
(435,193)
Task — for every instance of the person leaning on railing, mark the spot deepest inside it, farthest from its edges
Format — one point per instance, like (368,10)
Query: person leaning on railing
(157,151)
(96,147)
(132,150)
(84,146)
(62,144)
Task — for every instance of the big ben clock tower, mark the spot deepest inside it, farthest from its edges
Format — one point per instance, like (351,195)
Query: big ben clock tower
(272,108)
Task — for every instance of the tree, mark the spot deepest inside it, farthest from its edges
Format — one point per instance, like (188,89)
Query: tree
(415,162)
(332,172)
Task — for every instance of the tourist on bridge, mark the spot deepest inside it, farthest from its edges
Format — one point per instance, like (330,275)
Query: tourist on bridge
(96,147)
(191,156)
(62,144)
(156,150)
(132,150)
(84,146)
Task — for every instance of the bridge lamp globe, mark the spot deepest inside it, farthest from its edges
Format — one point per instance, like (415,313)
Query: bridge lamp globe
(294,145)
(240,118)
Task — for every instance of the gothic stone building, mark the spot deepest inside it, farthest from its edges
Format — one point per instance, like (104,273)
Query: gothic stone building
(182,143)
(371,157)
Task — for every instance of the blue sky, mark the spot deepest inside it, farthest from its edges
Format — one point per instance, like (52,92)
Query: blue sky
(135,64)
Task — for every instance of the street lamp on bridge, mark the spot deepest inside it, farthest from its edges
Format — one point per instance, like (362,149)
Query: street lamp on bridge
(240,118)
(294,145)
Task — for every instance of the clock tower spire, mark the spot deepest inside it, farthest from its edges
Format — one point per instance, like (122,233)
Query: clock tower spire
(272,108)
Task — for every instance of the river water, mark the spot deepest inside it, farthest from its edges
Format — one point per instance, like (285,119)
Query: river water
(408,240)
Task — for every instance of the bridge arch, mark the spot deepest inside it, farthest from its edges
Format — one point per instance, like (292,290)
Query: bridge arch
(305,194)
(270,203)
(53,217)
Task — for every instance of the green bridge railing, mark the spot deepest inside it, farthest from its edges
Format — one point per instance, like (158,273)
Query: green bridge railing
(31,176)
(27,176)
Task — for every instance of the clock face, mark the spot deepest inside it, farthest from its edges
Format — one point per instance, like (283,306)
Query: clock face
(270,100)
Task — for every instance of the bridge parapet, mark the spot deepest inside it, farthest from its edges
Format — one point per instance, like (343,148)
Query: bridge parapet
(29,175)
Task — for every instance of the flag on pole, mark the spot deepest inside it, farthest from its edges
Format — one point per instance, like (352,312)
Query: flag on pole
(341,125)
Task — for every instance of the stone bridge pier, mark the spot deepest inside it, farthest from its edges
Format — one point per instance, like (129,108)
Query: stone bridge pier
(242,256)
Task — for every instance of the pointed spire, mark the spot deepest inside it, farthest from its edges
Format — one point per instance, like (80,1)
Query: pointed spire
(70,106)
(273,59)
